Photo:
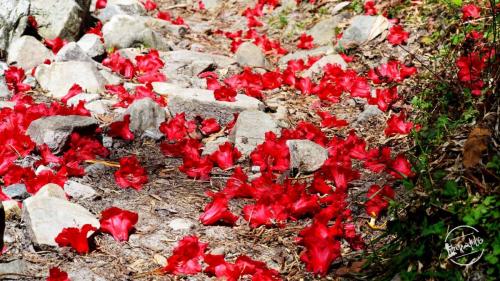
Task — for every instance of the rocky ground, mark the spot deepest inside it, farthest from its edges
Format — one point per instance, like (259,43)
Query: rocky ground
(170,203)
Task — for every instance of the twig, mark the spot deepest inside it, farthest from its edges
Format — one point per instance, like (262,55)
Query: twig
(105,163)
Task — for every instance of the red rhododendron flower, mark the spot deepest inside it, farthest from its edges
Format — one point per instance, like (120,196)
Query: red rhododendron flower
(397,35)
(121,129)
(164,15)
(272,155)
(131,174)
(186,257)
(225,156)
(330,121)
(393,71)
(305,42)
(101,4)
(378,199)
(321,248)
(75,238)
(120,65)
(400,167)
(149,5)
(384,98)
(209,126)
(73,91)
(398,125)
(225,94)
(97,30)
(14,77)
(470,11)
(175,129)
(55,44)
(118,222)
(370,8)
(197,168)
(265,214)
(217,211)
(44,177)
(32,22)
(56,274)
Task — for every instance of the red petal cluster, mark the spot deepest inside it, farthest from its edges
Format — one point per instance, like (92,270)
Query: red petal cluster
(330,121)
(121,129)
(305,42)
(378,199)
(100,4)
(149,5)
(131,174)
(55,44)
(397,35)
(398,125)
(272,155)
(226,156)
(75,238)
(186,257)
(118,222)
(370,8)
(56,274)
(14,77)
(470,11)
(217,211)
(393,71)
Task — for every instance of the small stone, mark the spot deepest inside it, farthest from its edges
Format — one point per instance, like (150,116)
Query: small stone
(72,52)
(145,114)
(369,112)
(200,102)
(249,54)
(181,224)
(27,52)
(6,104)
(55,130)
(111,78)
(124,31)
(78,191)
(15,269)
(84,274)
(47,216)
(306,156)
(324,31)
(219,233)
(58,77)
(211,5)
(51,190)
(99,106)
(250,130)
(95,169)
(120,7)
(363,29)
(107,141)
(16,191)
(92,45)
(42,168)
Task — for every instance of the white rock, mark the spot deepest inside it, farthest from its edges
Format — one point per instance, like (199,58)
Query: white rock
(13,21)
(249,54)
(306,156)
(72,52)
(181,224)
(27,52)
(51,190)
(59,18)
(57,78)
(145,114)
(47,216)
(250,130)
(324,31)
(85,97)
(124,31)
(92,45)
(79,191)
(201,102)
(363,29)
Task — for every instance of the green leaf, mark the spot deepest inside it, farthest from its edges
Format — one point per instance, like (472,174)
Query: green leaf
(436,228)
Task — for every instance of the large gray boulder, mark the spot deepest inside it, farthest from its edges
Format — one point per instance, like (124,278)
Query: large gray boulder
(200,102)
(47,213)
(318,66)
(57,78)
(306,156)
(27,52)
(55,130)
(123,31)
(145,114)
(250,130)
(58,18)
(13,21)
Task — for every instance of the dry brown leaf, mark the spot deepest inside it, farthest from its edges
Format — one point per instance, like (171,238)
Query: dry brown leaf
(353,268)
(476,144)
